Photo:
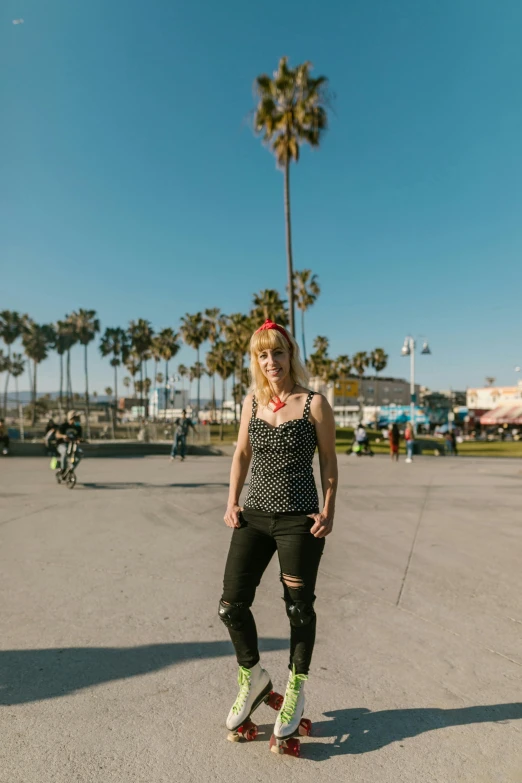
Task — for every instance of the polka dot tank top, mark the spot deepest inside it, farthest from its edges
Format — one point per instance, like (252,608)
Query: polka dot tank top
(282,476)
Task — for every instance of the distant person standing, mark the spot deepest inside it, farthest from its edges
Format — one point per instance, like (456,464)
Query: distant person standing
(454,442)
(4,438)
(180,436)
(395,438)
(409,437)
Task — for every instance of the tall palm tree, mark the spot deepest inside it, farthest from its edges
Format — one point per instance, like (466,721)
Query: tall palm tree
(168,348)
(268,304)
(17,369)
(378,359)
(37,340)
(321,345)
(114,343)
(155,352)
(132,366)
(360,363)
(141,334)
(86,326)
(237,333)
(221,361)
(10,330)
(344,365)
(291,110)
(306,291)
(196,372)
(126,382)
(215,324)
(315,364)
(69,335)
(64,333)
(329,370)
(183,373)
(194,331)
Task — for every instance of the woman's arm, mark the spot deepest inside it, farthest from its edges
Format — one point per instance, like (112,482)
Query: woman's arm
(324,421)
(240,465)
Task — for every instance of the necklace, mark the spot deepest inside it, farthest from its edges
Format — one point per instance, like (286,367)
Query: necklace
(278,403)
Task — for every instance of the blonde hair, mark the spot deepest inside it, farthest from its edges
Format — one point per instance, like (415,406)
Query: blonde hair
(270,339)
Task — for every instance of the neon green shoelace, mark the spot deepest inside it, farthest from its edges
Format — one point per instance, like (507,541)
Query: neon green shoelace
(243,679)
(292,693)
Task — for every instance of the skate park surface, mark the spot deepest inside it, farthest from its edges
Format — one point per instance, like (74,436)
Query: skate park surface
(115,667)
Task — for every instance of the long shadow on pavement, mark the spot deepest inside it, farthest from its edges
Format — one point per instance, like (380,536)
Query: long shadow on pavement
(138,484)
(359,730)
(35,675)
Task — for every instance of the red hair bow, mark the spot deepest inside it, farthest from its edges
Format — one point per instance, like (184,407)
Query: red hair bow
(271,325)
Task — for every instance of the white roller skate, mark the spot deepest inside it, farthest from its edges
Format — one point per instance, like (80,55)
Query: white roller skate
(290,722)
(255,686)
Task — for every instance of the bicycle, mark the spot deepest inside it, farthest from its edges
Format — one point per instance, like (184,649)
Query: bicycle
(72,459)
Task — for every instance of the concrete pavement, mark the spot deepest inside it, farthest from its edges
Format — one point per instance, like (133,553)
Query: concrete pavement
(114,666)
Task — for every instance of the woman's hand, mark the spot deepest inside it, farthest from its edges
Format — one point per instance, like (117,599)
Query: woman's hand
(323,524)
(232,515)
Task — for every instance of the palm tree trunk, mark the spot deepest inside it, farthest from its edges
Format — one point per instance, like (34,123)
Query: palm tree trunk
(290,265)
(166,386)
(30,374)
(234,397)
(199,382)
(223,392)
(303,334)
(115,385)
(69,381)
(213,397)
(115,413)
(33,420)
(5,391)
(61,383)
(241,386)
(142,406)
(88,423)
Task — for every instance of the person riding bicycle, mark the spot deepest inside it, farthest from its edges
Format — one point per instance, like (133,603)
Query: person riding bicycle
(68,432)
(361,438)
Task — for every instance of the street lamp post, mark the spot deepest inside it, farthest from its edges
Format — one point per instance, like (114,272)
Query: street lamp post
(408,349)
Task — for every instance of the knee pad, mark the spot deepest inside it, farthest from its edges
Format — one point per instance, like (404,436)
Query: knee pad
(233,615)
(300,613)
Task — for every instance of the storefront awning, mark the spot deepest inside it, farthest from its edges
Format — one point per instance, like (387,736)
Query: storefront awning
(504,414)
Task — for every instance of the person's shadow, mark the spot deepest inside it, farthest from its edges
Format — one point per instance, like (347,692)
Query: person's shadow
(359,730)
(34,675)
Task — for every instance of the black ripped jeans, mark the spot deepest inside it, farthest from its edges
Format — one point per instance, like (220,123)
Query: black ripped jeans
(299,552)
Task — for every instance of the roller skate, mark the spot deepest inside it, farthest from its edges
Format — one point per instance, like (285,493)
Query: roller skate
(255,687)
(290,723)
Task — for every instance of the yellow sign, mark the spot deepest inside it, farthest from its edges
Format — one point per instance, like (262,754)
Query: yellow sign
(346,387)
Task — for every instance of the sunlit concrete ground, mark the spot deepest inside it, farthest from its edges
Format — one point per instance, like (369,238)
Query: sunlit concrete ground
(114,667)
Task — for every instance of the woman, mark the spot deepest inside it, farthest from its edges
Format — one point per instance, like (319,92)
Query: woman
(281,424)
(409,437)
(394,442)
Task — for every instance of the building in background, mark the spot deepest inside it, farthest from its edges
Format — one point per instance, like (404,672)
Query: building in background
(177,400)
(349,396)
(495,405)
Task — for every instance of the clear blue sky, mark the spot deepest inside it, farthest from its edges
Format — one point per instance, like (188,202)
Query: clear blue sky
(132,183)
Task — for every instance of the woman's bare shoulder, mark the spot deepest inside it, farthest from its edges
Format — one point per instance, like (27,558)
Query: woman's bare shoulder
(320,407)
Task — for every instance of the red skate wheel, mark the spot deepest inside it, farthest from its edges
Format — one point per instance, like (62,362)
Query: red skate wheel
(248,730)
(275,700)
(251,733)
(293,747)
(305,727)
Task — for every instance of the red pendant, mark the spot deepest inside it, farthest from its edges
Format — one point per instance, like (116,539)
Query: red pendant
(277,403)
